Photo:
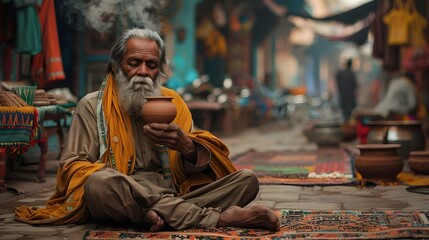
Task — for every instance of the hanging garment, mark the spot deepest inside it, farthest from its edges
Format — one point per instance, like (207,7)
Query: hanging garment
(47,65)
(388,54)
(398,20)
(29,39)
(417,26)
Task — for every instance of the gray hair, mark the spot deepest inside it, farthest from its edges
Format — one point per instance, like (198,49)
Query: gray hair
(118,50)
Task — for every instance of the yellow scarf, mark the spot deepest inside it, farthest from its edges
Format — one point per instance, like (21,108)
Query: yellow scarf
(67,204)
(117,144)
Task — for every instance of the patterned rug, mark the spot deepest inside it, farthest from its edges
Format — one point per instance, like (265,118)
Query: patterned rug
(323,166)
(18,126)
(305,224)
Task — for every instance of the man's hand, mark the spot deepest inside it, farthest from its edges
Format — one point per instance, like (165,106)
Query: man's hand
(171,136)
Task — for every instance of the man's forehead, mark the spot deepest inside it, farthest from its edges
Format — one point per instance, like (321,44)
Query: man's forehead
(142,46)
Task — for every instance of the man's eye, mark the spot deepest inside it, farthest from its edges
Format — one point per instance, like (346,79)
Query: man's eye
(152,65)
(133,63)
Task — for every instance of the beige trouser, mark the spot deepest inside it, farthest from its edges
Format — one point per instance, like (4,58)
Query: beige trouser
(112,196)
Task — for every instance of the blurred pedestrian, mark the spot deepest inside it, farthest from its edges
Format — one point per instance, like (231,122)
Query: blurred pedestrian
(347,85)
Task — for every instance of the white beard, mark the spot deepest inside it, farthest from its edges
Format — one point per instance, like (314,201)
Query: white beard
(132,92)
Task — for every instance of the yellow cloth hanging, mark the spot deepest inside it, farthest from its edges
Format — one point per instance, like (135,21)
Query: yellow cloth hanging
(417,25)
(398,20)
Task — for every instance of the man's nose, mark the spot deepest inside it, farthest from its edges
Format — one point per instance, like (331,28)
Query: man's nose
(142,70)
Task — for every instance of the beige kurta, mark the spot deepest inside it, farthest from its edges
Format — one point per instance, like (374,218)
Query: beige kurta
(110,195)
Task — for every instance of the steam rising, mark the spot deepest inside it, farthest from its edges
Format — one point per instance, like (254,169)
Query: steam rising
(102,15)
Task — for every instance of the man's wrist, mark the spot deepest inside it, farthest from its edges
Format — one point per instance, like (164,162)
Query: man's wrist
(199,162)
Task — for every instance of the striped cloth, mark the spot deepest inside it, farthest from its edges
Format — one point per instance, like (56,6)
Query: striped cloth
(18,126)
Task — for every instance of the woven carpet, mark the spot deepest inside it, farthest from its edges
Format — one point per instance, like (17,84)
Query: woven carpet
(305,224)
(18,125)
(324,166)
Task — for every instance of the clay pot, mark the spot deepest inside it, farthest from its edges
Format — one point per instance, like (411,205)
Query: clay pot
(419,162)
(409,134)
(159,109)
(379,162)
(325,133)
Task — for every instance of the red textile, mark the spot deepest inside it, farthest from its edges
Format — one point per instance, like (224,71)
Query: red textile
(47,66)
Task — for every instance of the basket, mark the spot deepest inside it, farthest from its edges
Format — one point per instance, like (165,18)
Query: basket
(26,93)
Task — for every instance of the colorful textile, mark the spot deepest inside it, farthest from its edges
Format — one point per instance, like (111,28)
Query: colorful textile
(29,39)
(18,126)
(47,65)
(326,166)
(304,224)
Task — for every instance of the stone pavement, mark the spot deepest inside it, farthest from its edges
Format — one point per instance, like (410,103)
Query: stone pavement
(272,137)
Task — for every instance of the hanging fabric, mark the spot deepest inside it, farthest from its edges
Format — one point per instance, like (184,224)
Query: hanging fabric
(398,20)
(416,56)
(388,54)
(417,25)
(347,18)
(29,37)
(47,65)
(358,37)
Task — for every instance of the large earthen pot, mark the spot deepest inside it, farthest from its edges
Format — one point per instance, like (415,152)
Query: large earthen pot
(379,162)
(408,133)
(159,109)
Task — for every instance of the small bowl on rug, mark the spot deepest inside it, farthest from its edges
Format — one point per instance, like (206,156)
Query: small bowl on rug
(419,162)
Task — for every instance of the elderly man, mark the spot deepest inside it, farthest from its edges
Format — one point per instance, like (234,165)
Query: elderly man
(110,169)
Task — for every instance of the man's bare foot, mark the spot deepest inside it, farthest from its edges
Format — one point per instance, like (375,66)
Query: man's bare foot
(256,216)
(157,223)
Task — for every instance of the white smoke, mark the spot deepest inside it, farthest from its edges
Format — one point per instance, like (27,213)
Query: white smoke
(102,15)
